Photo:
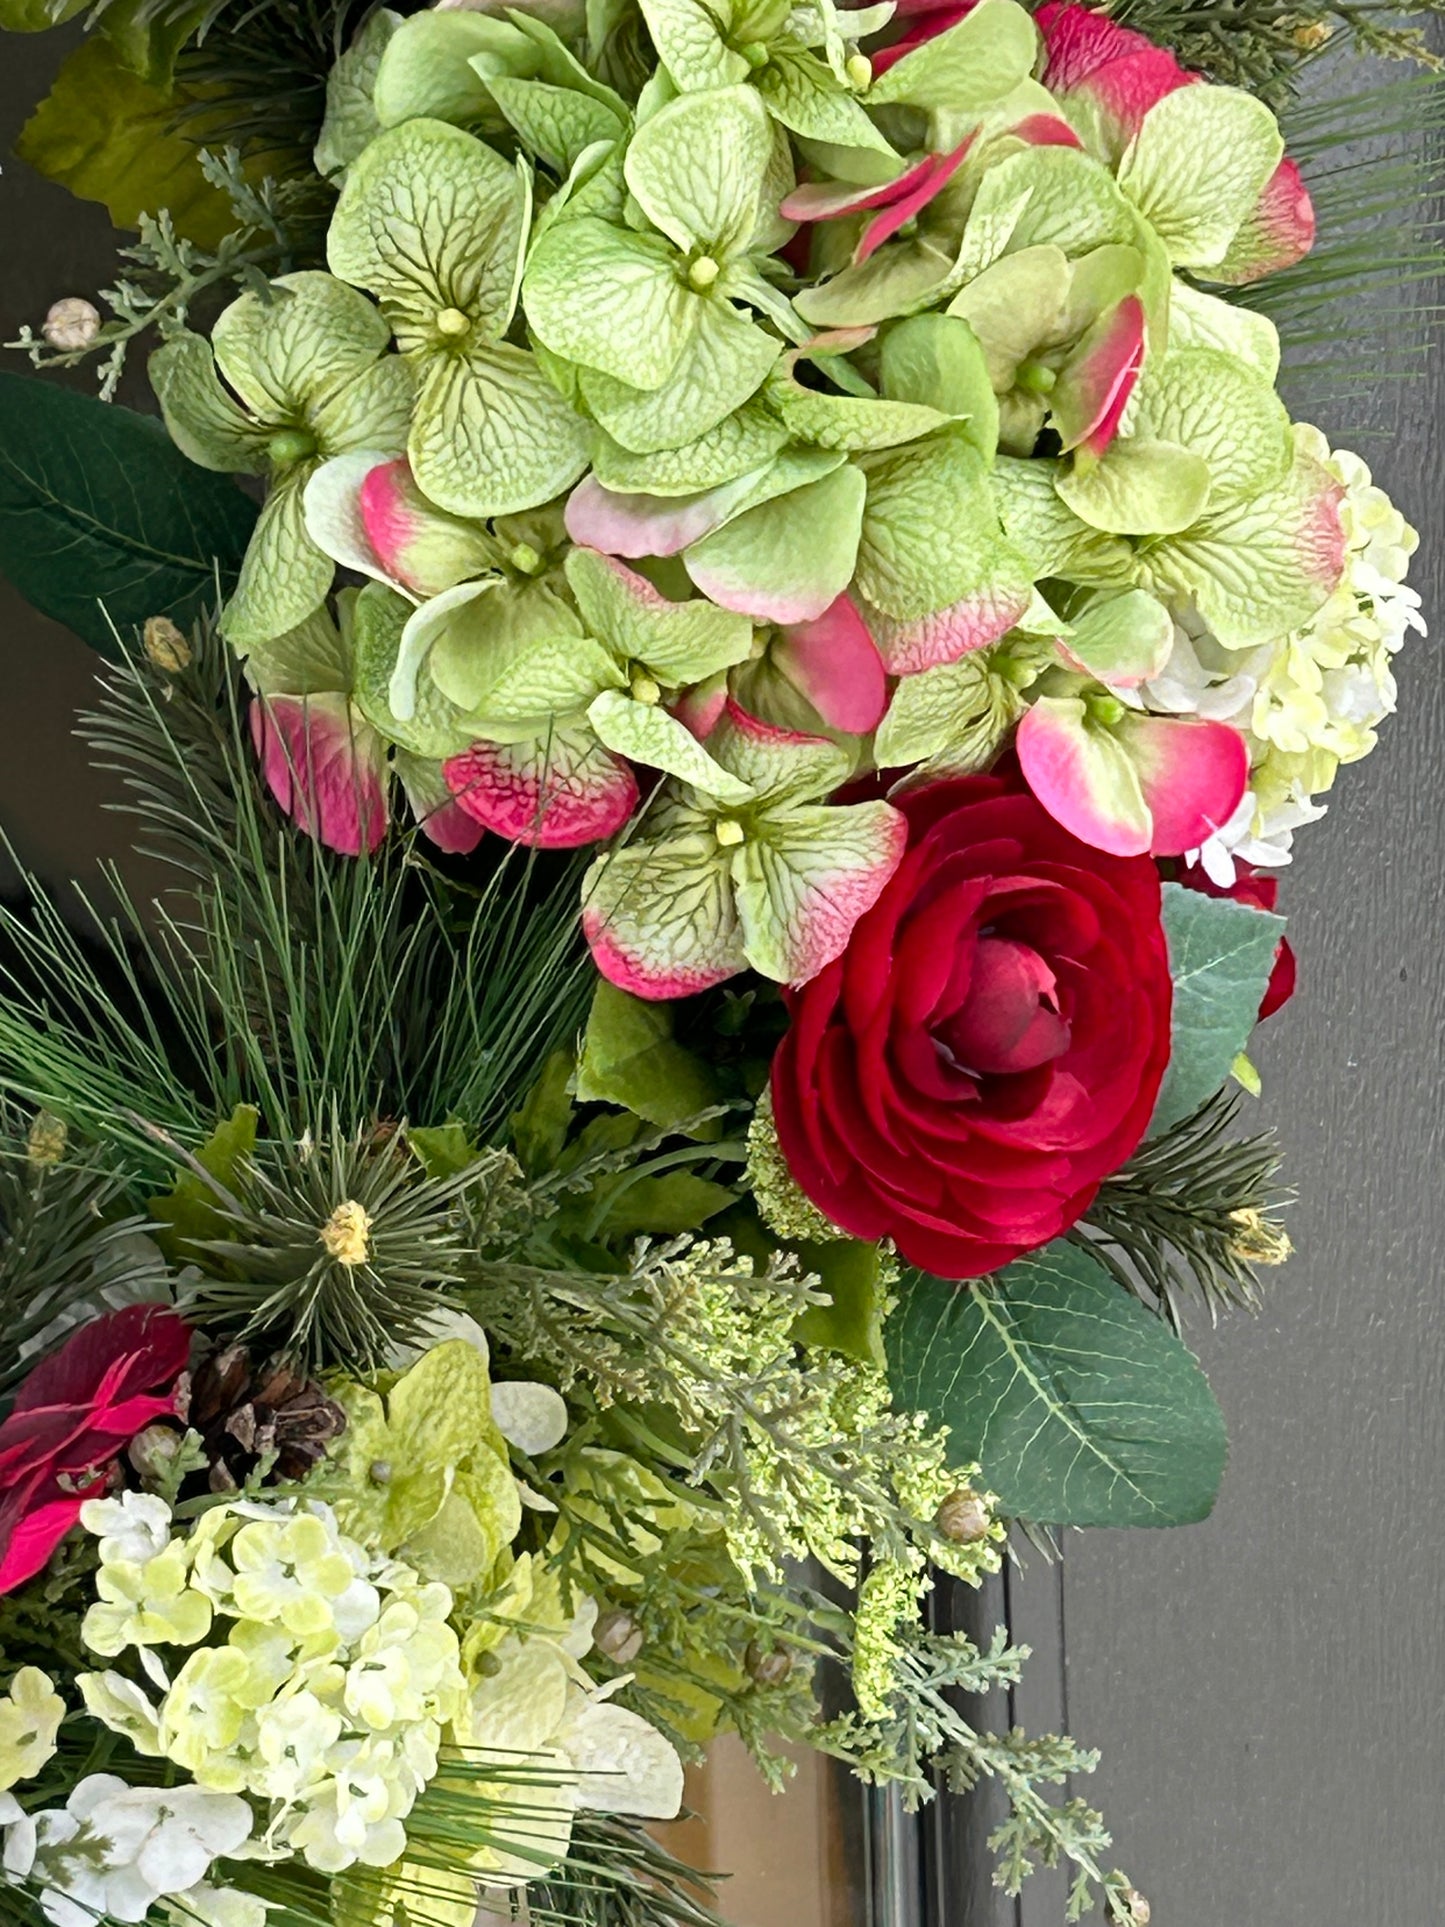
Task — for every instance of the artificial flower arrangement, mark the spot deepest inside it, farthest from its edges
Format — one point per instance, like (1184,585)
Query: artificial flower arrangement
(484,1319)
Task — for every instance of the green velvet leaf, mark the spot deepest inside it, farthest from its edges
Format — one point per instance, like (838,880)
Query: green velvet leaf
(98,506)
(848,1270)
(1220,954)
(109,136)
(1081,1406)
(630,1057)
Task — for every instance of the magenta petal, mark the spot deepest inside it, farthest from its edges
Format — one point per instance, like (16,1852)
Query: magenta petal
(325,766)
(35,1536)
(941,169)
(834,662)
(388,514)
(1193,774)
(1078,39)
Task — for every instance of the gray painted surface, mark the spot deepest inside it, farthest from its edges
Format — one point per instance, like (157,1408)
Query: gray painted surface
(1268,1689)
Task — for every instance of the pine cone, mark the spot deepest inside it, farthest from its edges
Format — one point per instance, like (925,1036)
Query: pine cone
(242,1412)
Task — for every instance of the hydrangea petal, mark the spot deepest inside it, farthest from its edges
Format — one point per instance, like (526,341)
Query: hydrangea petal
(325,766)
(492,436)
(677,642)
(835,663)
(1083,776)
(554,792)
(439,816)
(1088,403)
(1197,167)
(1279,232)
(1192,774)
(1121,640)
(646,733)
(660,917)
(804,880)
(789,559)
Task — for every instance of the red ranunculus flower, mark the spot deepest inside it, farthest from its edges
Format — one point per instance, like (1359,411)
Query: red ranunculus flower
(990,1045)
(77,1410)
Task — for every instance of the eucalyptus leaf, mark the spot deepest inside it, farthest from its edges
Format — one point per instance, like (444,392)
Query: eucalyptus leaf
(1079,1404)
(1221,954)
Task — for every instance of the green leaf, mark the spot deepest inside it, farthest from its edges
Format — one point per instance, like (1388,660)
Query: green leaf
(443,1150)
(98,505)
(109,136)
(187,1213)
(1220,954)
(1080,1405)
(539,1129)
(848,1271)
(664,1206)
(630,1057)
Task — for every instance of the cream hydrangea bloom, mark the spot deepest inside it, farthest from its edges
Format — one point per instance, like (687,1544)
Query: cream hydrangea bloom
(30,1716)
(1311,700)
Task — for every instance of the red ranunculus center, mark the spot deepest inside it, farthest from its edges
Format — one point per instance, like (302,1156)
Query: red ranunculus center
(1008,1019)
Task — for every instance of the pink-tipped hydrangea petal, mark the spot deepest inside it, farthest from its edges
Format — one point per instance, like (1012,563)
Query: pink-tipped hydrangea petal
(416,543)
(638,971)
(553,793)
(940,170)
(834,661)
(1045,130)
(1100,379)
(830,200)
(1192,773)
(1279,232)
(1083,776)
(932,21)
(909,647)
(326,768)
(640,525)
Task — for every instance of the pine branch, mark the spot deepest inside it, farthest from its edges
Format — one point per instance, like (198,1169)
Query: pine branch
(1194,1209)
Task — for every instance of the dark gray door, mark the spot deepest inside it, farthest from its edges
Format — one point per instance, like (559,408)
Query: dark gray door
(1268,1689)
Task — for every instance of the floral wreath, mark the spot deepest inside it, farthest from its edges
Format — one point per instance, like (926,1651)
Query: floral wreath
(725,772)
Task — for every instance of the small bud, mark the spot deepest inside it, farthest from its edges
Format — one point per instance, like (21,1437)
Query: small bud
(758,647)
(289,446)
(703,272)
(1140,1913)
(768,1665)
(72,324)
(346,1234)
(165,645)
(644,689)
(46,1142)
(1259,1240)
(728,832)
(525,559)
(379,1472)
(452,323)
(962,1518)
(1311,35)
(618,1636)
(1037,377)
(1104,709)
(859,69)
(153,1450)
(755,53)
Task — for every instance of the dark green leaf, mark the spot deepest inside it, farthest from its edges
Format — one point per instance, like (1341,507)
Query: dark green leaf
(539,1129)
(1221,954)
(98,507)
(1080,1405)
(664,1206)
(442,1150)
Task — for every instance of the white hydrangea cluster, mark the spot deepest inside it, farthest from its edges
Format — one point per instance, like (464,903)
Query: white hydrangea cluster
(326,1699)
(113,1851)
(1313,699)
